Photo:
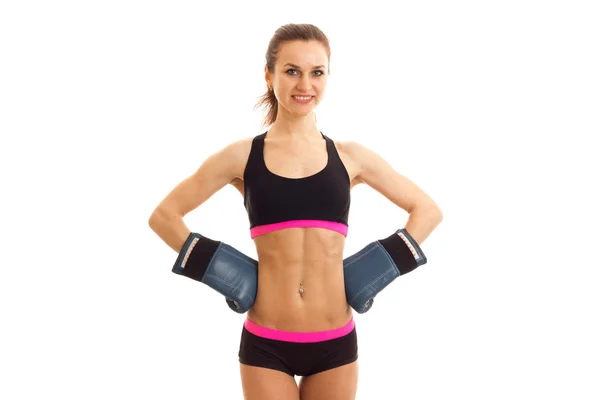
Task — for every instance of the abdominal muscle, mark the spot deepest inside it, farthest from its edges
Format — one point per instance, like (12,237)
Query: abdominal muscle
(300,258)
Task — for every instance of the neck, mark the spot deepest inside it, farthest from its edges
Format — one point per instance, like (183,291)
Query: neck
(286,125)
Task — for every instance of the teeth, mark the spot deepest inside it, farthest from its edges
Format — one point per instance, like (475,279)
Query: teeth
(303,98)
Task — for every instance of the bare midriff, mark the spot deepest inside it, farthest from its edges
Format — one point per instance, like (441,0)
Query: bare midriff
(300,281)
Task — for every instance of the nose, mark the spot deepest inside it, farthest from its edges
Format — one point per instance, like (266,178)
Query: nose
(304,83)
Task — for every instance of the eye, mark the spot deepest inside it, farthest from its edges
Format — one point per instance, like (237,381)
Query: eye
(292,71)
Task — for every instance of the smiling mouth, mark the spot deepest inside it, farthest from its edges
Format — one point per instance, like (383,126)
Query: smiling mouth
(303,99)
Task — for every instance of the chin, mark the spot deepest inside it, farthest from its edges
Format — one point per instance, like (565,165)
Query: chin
(302,113)
(302,109)
(296,111)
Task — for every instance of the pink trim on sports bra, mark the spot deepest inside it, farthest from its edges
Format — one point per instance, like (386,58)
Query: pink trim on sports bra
(298,337)
(299,223)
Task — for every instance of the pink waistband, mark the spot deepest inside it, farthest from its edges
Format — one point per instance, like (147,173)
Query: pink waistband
(299,337)
(299,223)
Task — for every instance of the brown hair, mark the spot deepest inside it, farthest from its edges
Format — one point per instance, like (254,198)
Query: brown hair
(286,33)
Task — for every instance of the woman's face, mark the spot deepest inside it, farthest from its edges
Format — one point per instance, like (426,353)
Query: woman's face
(300,76)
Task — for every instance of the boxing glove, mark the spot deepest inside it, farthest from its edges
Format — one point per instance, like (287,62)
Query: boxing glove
(221,267)
(374,267)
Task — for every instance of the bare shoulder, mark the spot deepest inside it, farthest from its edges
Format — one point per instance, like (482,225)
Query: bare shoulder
(379,174)
(237,154)
(228,161)
(357,150)
(239,151)
(357,157)
(366,158)
(347,152)
(352,148)
(222,167)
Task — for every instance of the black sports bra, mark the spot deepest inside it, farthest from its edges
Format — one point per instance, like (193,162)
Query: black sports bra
(274,202)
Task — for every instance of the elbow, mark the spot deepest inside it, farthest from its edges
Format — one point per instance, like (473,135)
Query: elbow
(152,221)
(435,211)
(433,215)
(155,218)
(161,216)
(432,211)
(439,215)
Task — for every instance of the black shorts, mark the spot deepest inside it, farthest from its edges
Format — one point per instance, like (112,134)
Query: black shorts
(298,353)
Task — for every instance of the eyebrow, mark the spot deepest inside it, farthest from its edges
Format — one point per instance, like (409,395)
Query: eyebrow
(297,67)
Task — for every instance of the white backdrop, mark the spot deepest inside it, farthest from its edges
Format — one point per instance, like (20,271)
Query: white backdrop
(490,107)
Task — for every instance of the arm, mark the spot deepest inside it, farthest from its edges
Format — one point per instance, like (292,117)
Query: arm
(370,270)
(213,174)
(424,214)
(214,263)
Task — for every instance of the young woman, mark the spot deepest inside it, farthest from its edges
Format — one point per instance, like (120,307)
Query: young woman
(296,184)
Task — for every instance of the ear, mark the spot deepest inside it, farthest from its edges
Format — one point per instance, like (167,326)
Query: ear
(268,79)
